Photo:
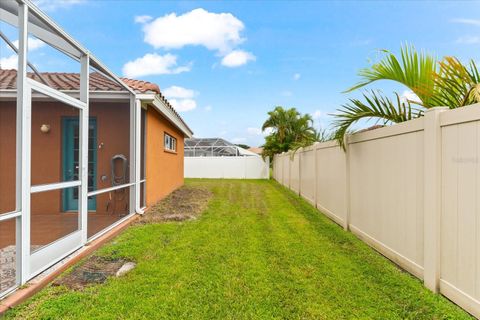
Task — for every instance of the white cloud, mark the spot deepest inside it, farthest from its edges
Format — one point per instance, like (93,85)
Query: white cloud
(410,96)
(254,131)
(474,22)
(220,32)
(153,64)
(215,31)
(208,108)
(287,93)
(297,76)
(51,5)
(468,40)
(143,19)
(317,114)
(181,98)
(32,43)
(178,92)
(183,105)
(10,62)
(237,58)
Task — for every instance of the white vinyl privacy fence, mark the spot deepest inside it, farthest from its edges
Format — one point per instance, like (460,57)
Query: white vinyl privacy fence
(411,191)
(247,167)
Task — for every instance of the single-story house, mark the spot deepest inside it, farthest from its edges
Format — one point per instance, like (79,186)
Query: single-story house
(55,150)
(256,150)
(79,152)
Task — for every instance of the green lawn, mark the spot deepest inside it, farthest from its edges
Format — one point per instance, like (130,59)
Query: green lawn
(258,252)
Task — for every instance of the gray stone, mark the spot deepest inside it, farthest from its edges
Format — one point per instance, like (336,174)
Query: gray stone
(125,268)
(93,276)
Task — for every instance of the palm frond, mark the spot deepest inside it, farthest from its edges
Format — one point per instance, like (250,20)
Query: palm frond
(413,69)
(325,135)
(456,85)
(374,107)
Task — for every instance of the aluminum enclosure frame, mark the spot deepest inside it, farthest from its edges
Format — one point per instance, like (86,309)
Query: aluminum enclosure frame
(24,15)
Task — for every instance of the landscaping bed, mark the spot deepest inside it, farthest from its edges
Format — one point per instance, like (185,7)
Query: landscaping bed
(94,270)
(183,204)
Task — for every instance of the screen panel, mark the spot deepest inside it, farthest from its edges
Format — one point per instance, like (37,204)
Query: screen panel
(111,207)
(54,215)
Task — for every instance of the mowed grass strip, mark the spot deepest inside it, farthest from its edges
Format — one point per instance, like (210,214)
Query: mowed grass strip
(257,252)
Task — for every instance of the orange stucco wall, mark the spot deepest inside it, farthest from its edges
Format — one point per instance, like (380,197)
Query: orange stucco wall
(112,138)
(164,169)
(7,156)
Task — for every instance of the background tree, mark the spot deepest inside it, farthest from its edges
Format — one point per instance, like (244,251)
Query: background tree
(290,130)
(244,146)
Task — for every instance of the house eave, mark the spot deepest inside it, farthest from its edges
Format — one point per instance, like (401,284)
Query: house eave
(159,105)
(114,96)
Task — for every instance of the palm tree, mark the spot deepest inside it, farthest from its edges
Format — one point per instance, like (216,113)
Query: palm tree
(290,131)
(446,83)
(436,83)
(280,121)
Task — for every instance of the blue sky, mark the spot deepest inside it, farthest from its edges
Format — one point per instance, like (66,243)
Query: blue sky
(230,69)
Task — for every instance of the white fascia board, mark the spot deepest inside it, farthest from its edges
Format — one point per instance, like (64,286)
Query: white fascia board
(114,96)
(166,111)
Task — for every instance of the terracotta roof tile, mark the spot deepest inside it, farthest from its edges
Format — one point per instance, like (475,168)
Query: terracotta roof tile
(71,81)
(142,86)
(98,82)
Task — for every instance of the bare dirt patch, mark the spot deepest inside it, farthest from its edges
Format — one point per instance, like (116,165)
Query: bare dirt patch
(186,203)
(95,270)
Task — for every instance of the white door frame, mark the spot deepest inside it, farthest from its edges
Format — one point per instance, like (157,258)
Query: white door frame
(36,262)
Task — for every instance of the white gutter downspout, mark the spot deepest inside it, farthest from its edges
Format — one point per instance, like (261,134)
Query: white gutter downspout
(138,158)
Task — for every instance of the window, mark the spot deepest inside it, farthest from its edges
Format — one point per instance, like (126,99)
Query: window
(170,142)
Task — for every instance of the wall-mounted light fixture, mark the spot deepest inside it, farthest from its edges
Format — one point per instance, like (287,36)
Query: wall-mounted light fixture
(45,128)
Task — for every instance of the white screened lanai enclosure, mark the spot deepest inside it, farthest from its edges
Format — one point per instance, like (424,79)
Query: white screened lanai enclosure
(220,159)
(50,203)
